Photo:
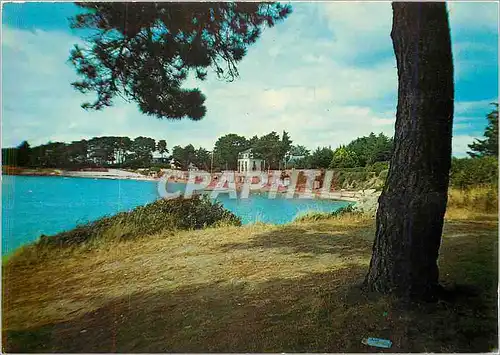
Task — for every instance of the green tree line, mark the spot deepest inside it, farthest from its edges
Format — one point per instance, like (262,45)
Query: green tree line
(276,150)
(96,152)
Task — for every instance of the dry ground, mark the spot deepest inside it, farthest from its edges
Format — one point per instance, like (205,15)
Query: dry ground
(257,288)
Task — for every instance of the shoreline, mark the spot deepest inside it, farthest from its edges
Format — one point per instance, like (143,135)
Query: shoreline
(120,174)
(111,174)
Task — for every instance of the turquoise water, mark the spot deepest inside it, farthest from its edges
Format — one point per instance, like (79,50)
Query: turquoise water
(32,206)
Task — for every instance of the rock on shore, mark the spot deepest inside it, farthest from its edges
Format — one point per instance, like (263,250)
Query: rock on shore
(367,201)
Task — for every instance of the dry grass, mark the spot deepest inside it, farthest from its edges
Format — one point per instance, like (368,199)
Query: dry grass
(478,198)
(255,288)
(346,215)
(476,203)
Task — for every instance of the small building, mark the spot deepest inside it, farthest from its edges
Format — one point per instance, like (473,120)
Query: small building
(294,158)
(173,165)
(248,162)
(159,158)
(192,167)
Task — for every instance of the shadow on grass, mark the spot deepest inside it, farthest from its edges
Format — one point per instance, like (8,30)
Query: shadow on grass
(319,312)
(292,239)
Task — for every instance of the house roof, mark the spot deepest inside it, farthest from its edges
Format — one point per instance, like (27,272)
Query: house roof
(157,155)
(295,157)
(249,150)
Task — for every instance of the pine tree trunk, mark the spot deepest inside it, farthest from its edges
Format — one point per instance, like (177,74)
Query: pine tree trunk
(413,203)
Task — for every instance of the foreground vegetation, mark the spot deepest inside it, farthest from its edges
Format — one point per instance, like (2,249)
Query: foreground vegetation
(162,216)
(254,288)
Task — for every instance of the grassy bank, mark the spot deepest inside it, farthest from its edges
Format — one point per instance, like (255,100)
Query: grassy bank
(473,203)
(254,288)
(161,217)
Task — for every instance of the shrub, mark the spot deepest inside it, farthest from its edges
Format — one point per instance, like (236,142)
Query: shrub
(478,199)
(311,216)
(468,172)
(344,158)
(351,178)
(378,167)
(351,170)
(163,215)
(383,174)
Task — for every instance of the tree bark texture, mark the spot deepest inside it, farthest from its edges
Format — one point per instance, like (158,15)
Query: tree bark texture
(413,203)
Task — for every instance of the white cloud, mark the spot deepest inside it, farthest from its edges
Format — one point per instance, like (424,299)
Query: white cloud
(460,144)
(359,28)
(39,104)
(466,107)
(474,16)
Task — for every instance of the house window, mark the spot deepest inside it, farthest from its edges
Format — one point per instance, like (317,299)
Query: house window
(254,167)
(246,166)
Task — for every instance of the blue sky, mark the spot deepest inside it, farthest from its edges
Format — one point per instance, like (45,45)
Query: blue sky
(327,75)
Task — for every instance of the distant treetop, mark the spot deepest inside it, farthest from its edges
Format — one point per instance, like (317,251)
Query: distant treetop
(489,145)
(143,52)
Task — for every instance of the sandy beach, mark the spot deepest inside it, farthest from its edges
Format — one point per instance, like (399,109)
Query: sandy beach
(110,174)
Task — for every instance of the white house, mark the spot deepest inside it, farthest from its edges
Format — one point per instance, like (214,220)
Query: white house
(294,158)
(247,162)
(173,165)
(192,167)
(159,158)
